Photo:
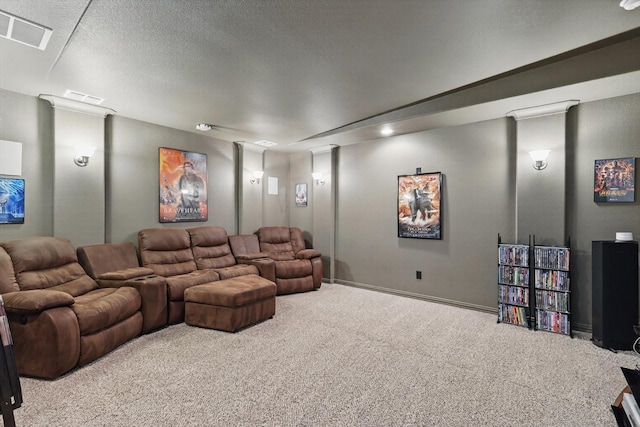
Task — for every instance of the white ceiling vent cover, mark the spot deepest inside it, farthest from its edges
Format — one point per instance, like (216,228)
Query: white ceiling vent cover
(83,97)
(265,143)
(22,31)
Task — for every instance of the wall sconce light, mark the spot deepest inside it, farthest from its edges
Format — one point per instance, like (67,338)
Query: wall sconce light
(318,178)
(83,154)
(539,158)
(256,176)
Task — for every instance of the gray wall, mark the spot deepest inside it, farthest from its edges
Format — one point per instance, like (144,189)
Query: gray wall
(597,130)
(300,172)
(250,195)
(132,180)
(276,207)
(28,120)
(324,207)
(479,166)
(79,202)
(479,194)
(540,206)
(478,203)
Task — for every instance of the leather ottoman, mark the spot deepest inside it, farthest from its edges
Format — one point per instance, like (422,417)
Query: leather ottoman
(230,304)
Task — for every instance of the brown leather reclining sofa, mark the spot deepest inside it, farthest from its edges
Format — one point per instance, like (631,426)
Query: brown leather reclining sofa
(59,317)
(68,307)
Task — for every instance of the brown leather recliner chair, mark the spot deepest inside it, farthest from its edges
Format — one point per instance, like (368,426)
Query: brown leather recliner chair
(113,265)
(246,250)
(167,251)
(211,250)
(297,269)
(59,317)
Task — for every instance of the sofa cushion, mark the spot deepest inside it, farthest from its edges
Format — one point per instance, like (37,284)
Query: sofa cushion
(176,285)
(40,253)
(103,308)
(276,241)
(126,274)
(7,275)
(48,262)
(210,247)
(107,257)
(234,292)
(292,269)
(167,251)
(245,244)
(237,270)
(297,239)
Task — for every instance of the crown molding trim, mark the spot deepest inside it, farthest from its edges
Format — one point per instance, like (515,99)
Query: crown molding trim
(323,149)
(77,106)
(251,147)
(543,110)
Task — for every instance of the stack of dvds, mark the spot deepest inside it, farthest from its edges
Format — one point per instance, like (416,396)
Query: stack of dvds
(552,257)
(552,279)
(552,321)
(513,255)
(513,284)
(552,289)
(513,295)
(556,301)
(510,275)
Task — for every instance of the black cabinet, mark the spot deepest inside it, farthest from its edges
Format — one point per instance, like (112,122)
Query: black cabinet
(614,294)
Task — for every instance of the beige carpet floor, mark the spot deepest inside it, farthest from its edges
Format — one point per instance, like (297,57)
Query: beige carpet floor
(340,356)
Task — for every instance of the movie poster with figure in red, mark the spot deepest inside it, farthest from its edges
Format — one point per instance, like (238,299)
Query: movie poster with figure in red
(183,186)
(614,180)
(419,205)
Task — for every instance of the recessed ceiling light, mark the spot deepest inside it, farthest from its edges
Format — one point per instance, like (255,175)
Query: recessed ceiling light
(22,31)
(204,127)
(629,4)
(386,130)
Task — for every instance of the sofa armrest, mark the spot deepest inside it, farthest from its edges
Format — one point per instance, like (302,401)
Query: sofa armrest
(266,267)
(126,274)
(35,301)
(308,254)
(255,255)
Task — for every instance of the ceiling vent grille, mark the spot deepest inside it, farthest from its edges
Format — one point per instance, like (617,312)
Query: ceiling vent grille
(22,31)
(265,143)
(83,97)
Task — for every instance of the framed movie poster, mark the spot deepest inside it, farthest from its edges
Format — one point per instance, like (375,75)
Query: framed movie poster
(183,186)
(614,180)
(301,194)
(11,201)
(419,204)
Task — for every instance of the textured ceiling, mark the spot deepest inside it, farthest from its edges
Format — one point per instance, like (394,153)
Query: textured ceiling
(304,73)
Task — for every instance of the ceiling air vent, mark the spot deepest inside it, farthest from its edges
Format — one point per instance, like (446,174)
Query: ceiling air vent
(265,143)
(83,97)
(22,31)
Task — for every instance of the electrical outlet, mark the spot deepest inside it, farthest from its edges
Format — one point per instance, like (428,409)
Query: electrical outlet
(419,275)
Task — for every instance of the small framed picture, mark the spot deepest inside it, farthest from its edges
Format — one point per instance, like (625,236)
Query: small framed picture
(301,194)
(614,180)
(11,201)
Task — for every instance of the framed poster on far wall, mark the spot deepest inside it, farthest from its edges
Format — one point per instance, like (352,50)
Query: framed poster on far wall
(419,206)
(183,186)
(301,194)
(11,201)
(614,180)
